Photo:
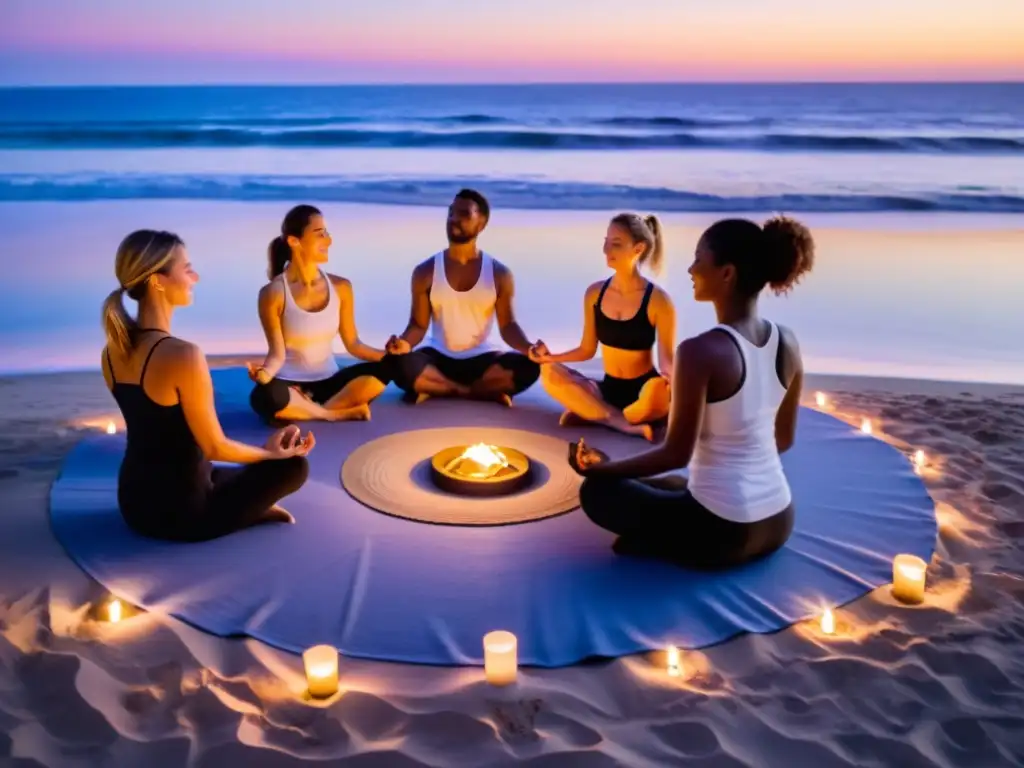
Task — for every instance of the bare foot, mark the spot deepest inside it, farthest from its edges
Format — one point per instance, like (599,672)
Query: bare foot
(422,397)
(355,413)
(278,514)
(570,419)
(646,431)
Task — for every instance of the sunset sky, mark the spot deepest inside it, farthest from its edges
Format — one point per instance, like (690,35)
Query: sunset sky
(342,41)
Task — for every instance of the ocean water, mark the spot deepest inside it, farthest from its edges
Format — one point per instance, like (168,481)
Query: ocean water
(898,166)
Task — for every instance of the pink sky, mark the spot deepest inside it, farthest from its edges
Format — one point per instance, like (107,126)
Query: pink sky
(122,41)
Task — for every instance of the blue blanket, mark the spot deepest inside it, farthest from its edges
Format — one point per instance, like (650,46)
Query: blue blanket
(382,587)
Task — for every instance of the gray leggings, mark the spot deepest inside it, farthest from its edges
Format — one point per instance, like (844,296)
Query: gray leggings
(660,518)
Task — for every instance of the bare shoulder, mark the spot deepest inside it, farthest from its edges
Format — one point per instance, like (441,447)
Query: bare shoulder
(181,354)
(660,300)
(271,292)
(341,284)
(593,291)
(423,273)
(503,277)
(789,342)
(707,347)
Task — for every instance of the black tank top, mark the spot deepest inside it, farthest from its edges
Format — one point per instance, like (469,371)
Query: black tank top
(636,333)
(163,470)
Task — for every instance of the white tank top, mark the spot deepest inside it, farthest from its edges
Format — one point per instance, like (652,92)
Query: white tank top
(736,471)
(309,337)
(462,321)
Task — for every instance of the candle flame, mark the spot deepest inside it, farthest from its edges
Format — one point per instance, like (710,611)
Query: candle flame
(820,399)
(828,622)
(111,428)
(114,611)
(674,666)
(919,459)
(865,426)
(479,460)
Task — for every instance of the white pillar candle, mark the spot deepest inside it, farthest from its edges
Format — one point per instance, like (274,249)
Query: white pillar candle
(111,428)
(321,662)
(675,667)
(919,459)
(908,577)
(114,611)
(820,399)
(500,658)
(865,426)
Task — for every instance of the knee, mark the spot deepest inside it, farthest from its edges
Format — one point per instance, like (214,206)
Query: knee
(594,498)
(269,399)
(403,370)
(525,372)
(295,470)
(551,376)
(655,390)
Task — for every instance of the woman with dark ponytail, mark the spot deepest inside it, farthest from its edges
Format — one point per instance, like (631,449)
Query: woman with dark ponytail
(302,310)
(627,314)
(735,398)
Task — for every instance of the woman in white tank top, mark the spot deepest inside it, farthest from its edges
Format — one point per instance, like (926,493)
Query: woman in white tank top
(735,398)
(302,310)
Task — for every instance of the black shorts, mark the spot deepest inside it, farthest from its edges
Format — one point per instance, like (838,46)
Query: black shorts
(466,370)
(622,393)
(271,398)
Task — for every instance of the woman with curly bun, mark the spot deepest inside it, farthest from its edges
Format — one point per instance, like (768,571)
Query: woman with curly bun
(735,397)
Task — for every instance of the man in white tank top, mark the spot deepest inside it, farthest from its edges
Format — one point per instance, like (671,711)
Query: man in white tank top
(461,293)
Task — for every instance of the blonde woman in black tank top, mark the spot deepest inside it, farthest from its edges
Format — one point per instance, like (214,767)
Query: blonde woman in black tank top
(167,486)
(633,320)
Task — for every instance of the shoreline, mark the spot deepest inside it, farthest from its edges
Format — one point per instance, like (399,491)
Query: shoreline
(939,684)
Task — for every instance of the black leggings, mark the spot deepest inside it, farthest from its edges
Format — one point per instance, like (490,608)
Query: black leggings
(660,518)
(238,497)
(271,398)
(406,368)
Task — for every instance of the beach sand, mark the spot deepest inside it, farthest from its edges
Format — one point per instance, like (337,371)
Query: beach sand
(937,685)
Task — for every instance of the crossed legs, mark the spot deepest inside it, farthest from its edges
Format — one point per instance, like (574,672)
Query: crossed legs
(583,401)
(489,376)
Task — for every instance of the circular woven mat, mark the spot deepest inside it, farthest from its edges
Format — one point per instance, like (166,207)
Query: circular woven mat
(392,475)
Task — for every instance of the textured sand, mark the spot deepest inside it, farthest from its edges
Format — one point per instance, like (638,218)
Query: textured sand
(941,684)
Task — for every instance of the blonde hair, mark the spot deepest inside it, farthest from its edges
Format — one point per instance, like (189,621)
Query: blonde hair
(647,230)
(140,255)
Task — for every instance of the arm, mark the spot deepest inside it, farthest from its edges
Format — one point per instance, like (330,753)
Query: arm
(195,392)
(689,394)
(511,333)
(270,307)
(347,323)
(419,312)
(665,322)
(588,344)
(785,419)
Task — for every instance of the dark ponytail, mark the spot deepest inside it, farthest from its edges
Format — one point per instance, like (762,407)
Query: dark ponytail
(775,255)
(279,253)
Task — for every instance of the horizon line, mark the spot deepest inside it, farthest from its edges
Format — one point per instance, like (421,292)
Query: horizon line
(508,84)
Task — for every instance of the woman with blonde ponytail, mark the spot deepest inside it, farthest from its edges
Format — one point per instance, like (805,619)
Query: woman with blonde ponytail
(627,314)
(167,486)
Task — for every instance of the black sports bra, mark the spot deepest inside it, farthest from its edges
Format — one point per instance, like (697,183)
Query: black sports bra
(637,333)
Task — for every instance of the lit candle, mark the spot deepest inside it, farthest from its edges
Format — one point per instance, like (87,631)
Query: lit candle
(820,399)
(865,426)
(675,667)
(828,622)
(500,657)
(908,575)
(321,662)
(114,611)
(111,428)
(919,459)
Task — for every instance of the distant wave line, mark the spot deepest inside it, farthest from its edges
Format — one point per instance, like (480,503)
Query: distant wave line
(510,193)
